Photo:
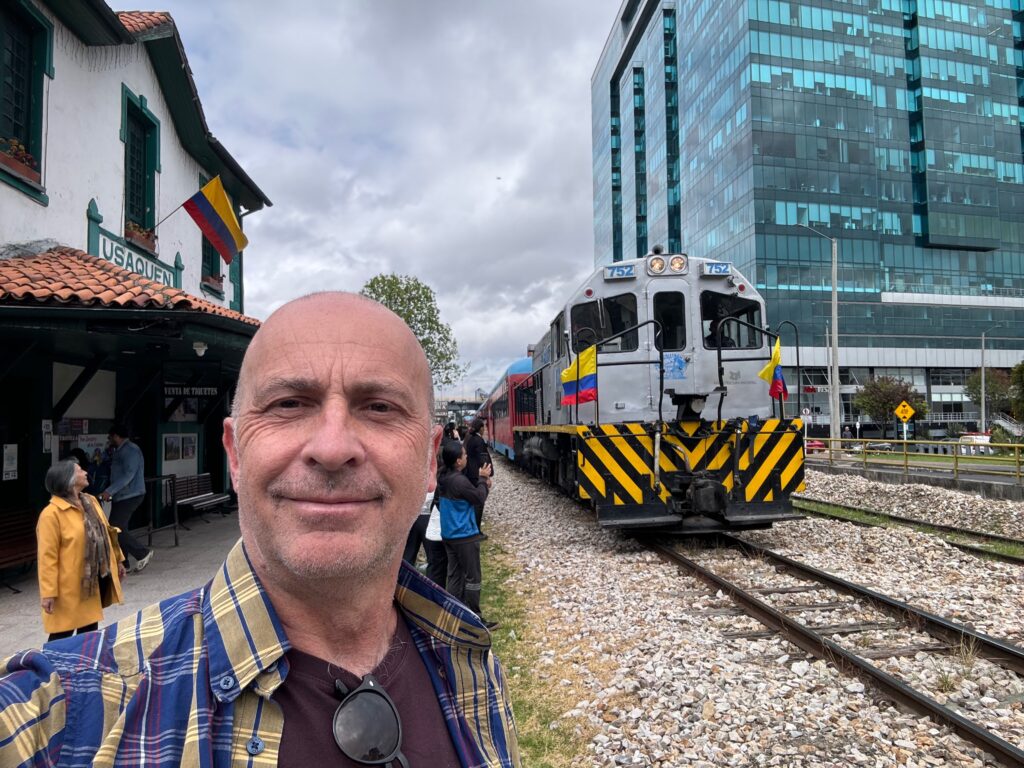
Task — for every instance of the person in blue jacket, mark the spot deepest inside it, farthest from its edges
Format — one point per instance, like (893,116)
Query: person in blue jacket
(458,499)
(126,490)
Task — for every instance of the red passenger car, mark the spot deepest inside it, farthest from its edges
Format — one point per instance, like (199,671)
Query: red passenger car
(510,403)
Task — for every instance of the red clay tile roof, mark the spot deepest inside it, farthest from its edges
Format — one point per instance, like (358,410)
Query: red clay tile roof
(69,277)
(143,21)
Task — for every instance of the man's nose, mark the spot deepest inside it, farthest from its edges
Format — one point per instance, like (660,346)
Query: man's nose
(335,439)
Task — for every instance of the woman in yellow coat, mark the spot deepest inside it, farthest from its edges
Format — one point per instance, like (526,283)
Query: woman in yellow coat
(80,562)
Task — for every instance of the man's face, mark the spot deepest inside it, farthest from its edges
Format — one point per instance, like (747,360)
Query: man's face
(333,450)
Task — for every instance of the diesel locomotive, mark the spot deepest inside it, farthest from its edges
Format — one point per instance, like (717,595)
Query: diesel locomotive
(645,400)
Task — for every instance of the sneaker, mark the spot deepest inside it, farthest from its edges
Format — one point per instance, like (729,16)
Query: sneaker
(143,562)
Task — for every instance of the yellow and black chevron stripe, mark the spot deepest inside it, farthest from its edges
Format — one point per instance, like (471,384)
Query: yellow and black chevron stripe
(614,461)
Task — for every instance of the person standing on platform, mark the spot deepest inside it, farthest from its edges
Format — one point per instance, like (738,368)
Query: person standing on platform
(477,457)
(127,489)
(79,562)
(459,500)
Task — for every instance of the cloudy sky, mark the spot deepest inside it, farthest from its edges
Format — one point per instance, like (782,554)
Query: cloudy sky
(448,140)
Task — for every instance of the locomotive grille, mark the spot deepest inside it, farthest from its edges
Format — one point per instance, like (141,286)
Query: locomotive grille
(614,460)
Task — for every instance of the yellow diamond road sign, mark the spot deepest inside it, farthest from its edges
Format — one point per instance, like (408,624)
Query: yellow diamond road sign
(904,411)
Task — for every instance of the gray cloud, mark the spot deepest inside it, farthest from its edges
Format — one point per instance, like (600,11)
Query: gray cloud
(446,140)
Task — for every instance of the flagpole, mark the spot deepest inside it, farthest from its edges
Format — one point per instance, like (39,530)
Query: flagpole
(165,218)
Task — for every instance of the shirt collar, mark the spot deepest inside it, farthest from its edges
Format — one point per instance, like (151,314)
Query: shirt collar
(243,633)
(437,613)
(246,640)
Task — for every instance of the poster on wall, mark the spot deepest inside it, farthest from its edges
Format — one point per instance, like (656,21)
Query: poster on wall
(10,461)
(95,447)
(187,410)
(172,447)
(188,446)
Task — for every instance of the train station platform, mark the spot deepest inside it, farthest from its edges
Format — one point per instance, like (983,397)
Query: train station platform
(173,570)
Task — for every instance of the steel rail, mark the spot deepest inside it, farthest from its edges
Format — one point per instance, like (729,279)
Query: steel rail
(999,651)
(823,648)
(801,502)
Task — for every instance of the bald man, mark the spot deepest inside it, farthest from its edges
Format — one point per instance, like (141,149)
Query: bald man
(314,642)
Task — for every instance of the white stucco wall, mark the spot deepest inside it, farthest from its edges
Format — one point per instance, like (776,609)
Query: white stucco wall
(83,157)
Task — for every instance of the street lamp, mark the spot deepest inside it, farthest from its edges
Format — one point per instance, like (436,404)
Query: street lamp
(835,405)
(983,422)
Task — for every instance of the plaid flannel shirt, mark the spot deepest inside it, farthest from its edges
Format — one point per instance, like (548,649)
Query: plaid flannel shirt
(190,681)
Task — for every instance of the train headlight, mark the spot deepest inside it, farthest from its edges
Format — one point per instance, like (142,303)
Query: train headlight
(698,403)
(677,263)
(656,265)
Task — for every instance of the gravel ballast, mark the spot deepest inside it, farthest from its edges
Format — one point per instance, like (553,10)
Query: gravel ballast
(656,681)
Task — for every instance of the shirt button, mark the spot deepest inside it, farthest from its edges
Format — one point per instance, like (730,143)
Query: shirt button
(227,683)
(255,745)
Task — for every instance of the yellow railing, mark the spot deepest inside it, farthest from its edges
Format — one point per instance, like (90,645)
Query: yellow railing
(996,459)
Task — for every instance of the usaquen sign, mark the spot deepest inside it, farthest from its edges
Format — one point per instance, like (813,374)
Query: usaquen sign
(134,261)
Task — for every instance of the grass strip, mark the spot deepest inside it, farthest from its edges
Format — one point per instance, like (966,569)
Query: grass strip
(854,516)
(538,701)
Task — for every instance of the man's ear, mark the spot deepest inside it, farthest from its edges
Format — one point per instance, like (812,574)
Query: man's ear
(231,447)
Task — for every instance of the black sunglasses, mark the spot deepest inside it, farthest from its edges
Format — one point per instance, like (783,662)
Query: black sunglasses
(367,728)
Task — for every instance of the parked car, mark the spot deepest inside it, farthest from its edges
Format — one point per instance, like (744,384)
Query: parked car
(882,447)
(813,446)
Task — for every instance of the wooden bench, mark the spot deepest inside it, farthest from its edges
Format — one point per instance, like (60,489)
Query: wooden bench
(17,539)
(195,493)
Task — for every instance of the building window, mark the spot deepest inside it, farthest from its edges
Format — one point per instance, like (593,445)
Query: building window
(640,160)
(26,55)
(672,187)
(140,132)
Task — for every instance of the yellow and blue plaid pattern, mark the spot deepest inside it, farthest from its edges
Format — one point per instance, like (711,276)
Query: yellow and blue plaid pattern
(190,681)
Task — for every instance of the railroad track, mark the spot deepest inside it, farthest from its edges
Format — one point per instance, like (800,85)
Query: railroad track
(892,616)
(983,543)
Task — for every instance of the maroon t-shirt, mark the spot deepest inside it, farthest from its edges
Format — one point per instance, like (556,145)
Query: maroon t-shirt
(308,701)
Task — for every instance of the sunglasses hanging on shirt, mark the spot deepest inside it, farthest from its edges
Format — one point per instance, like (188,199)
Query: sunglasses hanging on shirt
(367,728)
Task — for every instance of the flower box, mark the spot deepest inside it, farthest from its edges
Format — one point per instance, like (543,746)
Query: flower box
(19,168)
(143,239)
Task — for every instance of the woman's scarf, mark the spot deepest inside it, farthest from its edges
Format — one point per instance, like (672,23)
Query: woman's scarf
(97,546)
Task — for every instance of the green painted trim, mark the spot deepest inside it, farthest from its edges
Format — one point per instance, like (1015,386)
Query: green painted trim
(152,145)
(94,219)
(22,186)
(46,49)
(235,276)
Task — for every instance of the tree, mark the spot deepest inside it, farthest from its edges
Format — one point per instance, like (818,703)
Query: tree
(880,396)
(997,389)
(1017,390)
(415,303)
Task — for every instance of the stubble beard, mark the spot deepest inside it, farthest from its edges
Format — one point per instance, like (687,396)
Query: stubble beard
(281,548)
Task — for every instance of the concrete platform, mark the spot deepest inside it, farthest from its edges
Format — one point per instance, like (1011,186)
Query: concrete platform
(171,571)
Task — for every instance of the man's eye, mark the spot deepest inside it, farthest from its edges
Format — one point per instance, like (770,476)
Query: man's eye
(381,407)
(288,404)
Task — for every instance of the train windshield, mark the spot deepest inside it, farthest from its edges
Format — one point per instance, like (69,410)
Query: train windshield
(596,320)
(716,309)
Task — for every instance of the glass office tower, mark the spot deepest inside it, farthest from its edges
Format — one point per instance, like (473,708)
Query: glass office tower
(733,128)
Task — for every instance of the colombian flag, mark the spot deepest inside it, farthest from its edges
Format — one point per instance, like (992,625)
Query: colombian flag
(579,380)
(212,211)
(772,373)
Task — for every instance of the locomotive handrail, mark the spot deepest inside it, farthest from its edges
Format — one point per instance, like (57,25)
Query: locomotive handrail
(772,336)
(598,364)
